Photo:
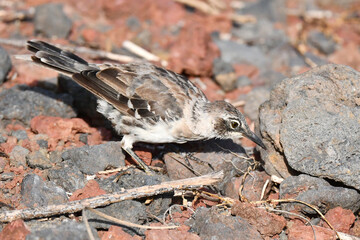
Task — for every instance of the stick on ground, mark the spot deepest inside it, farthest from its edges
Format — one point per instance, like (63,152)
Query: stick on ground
(106,199)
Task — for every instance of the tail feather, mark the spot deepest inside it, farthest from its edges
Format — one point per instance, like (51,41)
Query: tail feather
(57,59)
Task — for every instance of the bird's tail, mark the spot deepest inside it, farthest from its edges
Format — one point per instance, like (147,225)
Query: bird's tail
(57,59)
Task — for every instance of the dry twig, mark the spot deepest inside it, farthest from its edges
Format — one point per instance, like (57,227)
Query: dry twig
(106,199)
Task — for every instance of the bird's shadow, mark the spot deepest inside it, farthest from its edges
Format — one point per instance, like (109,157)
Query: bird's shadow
(69,92)
(204,146)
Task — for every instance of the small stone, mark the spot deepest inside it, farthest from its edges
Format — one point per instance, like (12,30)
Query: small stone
(117,233)
(38,159)
(18,156)
(318,192)
(302,232)
(42,143)
(211,224)
(67,175)
(15,230)
(20,134)
(23,103)
(249,54)
(67,230)
(252,187)
(355,229)
(35,192)
(7,176)
(91,189)
(128,210)
(341,219)
(268,224)
(323,43)
(3,139)
(92,159)
(84,138)
(51,21)
(5,64)
(137,178)
(3,162)
(173,234)
(55,156)
(224,74)
(270,10)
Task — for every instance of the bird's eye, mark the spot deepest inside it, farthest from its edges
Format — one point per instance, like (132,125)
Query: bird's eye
(234,124)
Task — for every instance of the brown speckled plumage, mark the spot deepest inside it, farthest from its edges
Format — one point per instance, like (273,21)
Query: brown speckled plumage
(147,103)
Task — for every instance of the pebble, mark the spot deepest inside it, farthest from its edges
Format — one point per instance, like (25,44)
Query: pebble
(92,159)
(320,41)
(35,192)
(24,103)
(211,224)
(51,21)
(5,64)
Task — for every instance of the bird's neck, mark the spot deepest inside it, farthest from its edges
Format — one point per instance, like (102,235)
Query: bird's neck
(201,120)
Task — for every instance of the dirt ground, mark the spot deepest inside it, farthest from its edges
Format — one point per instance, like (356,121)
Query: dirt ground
(55,150)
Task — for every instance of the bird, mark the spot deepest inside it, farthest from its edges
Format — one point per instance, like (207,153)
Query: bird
(147,103)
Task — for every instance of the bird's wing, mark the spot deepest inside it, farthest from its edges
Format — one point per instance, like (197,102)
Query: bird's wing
(135,89)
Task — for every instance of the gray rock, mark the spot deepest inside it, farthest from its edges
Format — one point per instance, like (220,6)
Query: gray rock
(271,10)
(5,64)
(42,143)
(55,157)
(253,101)
(269,78)
(3,139)
(67,175)
(68,230)
(286,55)
(220,67)
(211,224)
(7,176)
(38,159)
(35,192)
(132,179)
(261,33)
(128,210)
(92,159)
(137,178)
(20,134)
(310,124)
(224,74)
(51,21)
(318,192)
(324,44)
(232,52)
(84,138)
(23,103)
(18,156)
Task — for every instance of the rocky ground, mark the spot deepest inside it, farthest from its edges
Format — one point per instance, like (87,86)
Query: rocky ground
(290,66)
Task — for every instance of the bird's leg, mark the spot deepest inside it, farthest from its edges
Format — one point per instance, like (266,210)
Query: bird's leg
(138,160)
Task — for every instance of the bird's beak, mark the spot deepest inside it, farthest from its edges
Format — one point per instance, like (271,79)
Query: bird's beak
(252,136)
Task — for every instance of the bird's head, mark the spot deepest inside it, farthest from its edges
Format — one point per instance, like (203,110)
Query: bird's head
(230,123)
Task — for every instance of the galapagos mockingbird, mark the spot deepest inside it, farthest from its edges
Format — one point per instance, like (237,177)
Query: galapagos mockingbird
(146,103)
